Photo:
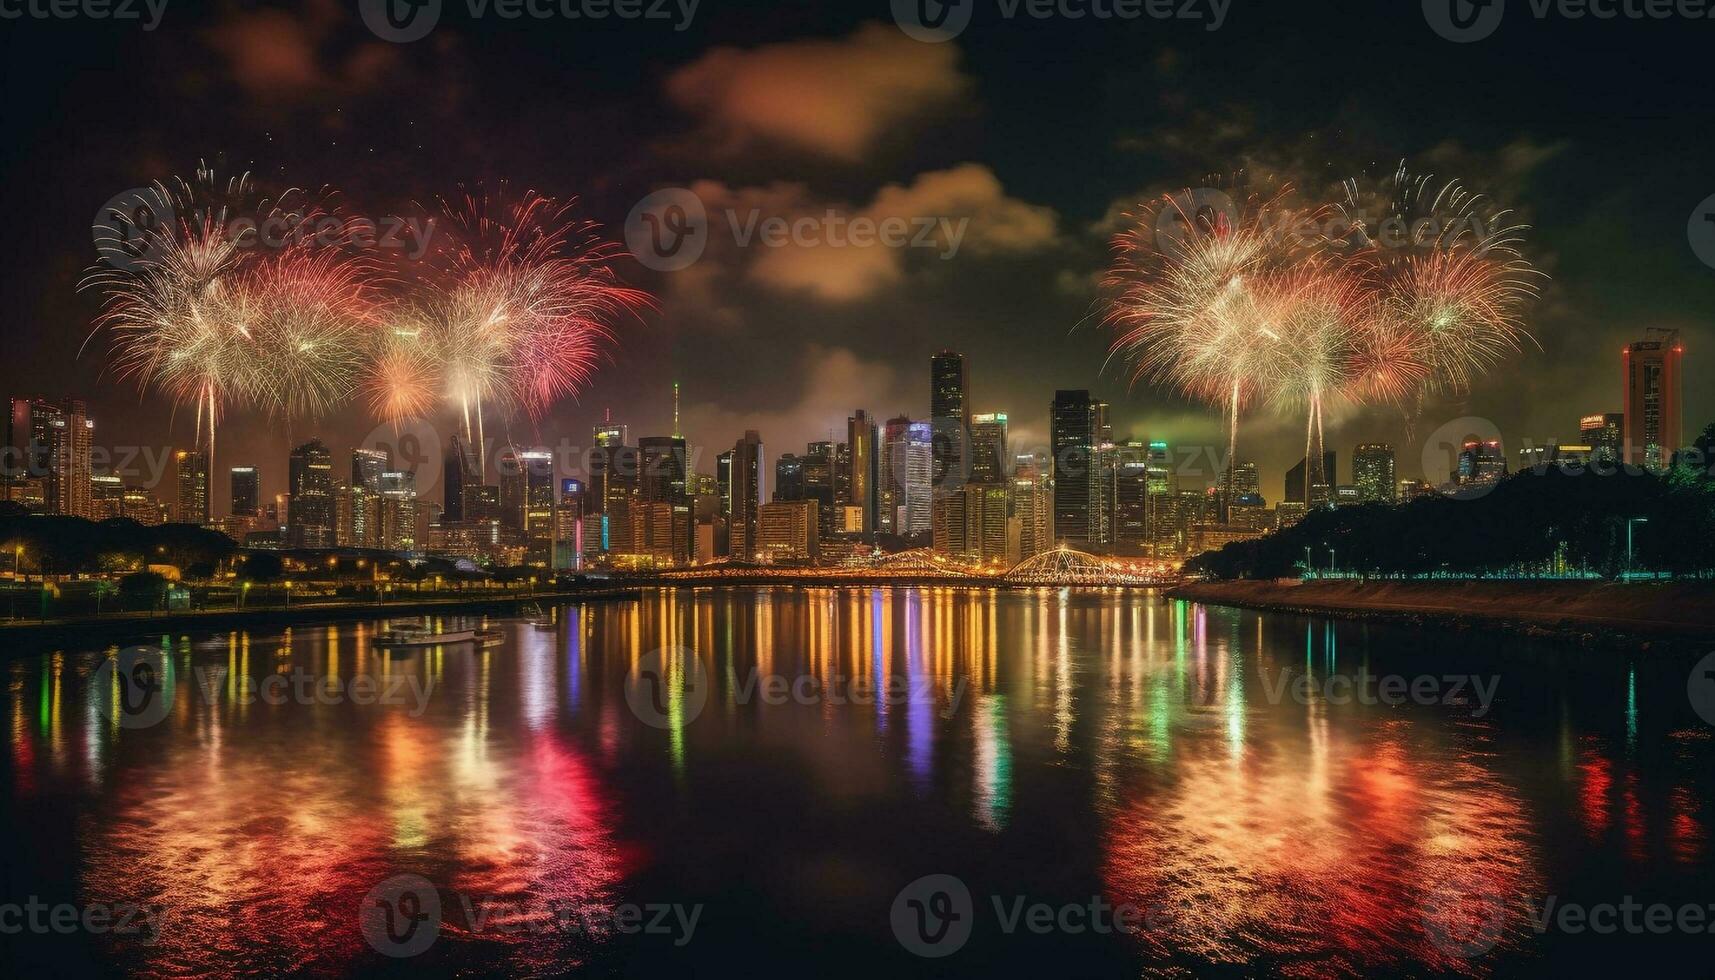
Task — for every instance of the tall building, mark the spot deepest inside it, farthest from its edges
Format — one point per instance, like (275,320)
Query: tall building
(748,491)
(989,457)
(1481,461)
(310,496)
(1032,508)
(1604,433)
(367,465)
(911,461)
(397,524)
(860,478)
(190,467)
(106,497)
(244,491)
(789,477)
(50,455)
(1072,435)
(1653,412)
(1321,493)
(569,525)
(1161,488)
(512,487)
(820,463)
(458,471)
(665,481)
(949,419)
(1131,496)
(539,517)
(1373,472)
(889,482)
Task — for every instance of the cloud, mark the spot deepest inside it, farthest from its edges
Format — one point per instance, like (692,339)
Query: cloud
(833,97)
(835,381)
(280,56)
(943,215)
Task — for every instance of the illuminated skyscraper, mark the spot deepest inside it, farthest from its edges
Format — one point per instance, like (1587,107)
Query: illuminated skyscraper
(989,457)
(1320,493)
(190,467)
(861,461)
(244,491)
(1653,414)
(539,516)
(512,487)
(1373,473)
(748,491)
(949,419)
(665,480)
(1072,434)
(459,470)
(50,455)
(1481,461)
(310,504)
(1604,433)
(367,465)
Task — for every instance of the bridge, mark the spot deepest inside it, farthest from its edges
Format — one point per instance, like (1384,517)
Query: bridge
(1061,567)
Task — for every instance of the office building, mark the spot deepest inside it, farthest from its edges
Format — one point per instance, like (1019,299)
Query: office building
(1604,433)
(458,471)
(787,531)
(1292,490)
(1653,406)
(949,420)
(49,457)
(244,491)
(1072,434)
(789,478)
(190,474)
(1481,461)
(1373,473)
(988,445)
(310,497)
(540,525)
(860,473)
(748,492)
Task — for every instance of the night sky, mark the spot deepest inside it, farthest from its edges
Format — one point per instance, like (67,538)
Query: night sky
(1038,131)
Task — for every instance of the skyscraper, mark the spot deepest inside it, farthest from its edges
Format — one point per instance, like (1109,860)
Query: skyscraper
(367,465)
(1072,433)
(1604,434)
(512,486)
(309,485)
(1373,472)
(190,467)
(789,478)
(1481,461)
(949,419)
(539,523)
(860,438)
(665,462)
(1653,413)
(50,455)
(907,494)
(1320,493)
(244,491)
(458,471)
(820,461)
(989,457)
(889,482)
(748,490)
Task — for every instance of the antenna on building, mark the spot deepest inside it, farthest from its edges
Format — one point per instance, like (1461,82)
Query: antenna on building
(676,434)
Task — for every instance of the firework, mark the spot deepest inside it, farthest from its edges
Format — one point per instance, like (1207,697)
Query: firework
(1196,295)
(525,302)
(228,303)
(1452,283)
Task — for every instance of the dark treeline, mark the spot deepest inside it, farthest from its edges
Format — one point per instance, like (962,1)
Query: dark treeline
(53,545)
(1534,522)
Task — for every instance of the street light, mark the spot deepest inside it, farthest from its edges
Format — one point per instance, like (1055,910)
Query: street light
(1629,522)
(1306,561)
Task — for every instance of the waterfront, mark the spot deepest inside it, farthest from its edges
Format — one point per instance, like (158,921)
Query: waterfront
(1060,748)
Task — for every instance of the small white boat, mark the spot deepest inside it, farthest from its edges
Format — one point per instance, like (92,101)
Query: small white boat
(410,639)
(536,616)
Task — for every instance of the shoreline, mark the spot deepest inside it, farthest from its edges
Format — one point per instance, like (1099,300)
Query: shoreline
(85,629)
(1628,615)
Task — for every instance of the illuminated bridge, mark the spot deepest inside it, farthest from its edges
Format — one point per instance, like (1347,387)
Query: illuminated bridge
(1060,567)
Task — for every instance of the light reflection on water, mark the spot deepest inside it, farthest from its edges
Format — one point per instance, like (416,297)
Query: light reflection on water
(1047,743)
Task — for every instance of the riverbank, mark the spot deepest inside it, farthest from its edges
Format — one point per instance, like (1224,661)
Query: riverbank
(1600,613)
(90,630)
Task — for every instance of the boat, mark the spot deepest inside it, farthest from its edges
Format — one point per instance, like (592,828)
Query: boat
(536,616)
(490,637)
(413,638)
